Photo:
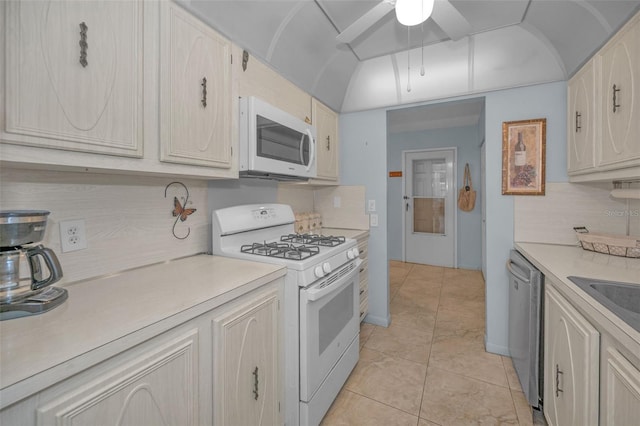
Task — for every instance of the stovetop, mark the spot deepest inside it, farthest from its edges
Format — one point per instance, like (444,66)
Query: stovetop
(314,239)
(293,246)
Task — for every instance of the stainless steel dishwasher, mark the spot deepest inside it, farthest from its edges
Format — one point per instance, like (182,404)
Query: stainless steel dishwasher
(525,325)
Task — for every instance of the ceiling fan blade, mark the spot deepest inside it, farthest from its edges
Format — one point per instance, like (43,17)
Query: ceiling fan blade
(450,20)
(367,20)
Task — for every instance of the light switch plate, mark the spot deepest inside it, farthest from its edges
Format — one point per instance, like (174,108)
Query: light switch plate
(337,201)
(372,205)
(373,219)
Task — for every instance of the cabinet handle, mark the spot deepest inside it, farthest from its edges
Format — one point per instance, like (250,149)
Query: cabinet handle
(204,92)
(578,121)
(361,270)
(361,291)
(615,93)
(255,383)
(83,44)
(328,143)
(558,373)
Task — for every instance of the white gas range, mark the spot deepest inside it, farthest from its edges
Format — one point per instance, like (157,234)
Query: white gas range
(321,300)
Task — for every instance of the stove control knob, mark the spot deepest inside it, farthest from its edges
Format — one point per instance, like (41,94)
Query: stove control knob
(318,271)
(326,267)
(353,253)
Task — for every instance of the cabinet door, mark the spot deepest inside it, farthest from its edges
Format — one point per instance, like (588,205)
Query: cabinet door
(581,120)
(157,387)
(620,61)
(261,81)
(570,363)
(195,97)
(74,75)
(622,400)
(326,122)
(246,362)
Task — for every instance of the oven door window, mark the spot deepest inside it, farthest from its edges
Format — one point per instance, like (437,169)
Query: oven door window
(282,143)
(327,327)
(334,317)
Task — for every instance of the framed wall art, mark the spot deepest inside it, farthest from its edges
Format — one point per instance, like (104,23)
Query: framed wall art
(523,157)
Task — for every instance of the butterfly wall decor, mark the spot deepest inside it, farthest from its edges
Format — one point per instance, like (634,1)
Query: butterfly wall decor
(180,211)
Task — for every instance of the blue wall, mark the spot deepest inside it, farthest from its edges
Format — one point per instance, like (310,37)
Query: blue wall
(467,140)
(364,162)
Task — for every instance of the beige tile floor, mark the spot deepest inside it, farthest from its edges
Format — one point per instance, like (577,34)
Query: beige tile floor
(429,367)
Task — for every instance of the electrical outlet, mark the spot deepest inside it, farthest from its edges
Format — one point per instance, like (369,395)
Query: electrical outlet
(72,235)
(337,201)
(372,205)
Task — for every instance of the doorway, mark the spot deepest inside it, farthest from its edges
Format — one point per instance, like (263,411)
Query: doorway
(429,209)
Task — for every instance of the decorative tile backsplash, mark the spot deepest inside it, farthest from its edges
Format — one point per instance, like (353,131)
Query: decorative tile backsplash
(129,221)
(551,218)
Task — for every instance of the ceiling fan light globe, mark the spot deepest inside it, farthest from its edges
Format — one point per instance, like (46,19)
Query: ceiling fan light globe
(413,12)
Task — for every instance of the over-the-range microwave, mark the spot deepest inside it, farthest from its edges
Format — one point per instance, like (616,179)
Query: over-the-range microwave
(274,144)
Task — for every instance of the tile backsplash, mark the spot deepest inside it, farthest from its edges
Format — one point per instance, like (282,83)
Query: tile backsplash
(551,218)
(128,219)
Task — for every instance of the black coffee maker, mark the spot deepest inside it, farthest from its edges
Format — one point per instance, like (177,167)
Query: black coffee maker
(27,269)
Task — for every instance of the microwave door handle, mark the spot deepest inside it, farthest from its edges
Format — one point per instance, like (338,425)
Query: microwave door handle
(312,150)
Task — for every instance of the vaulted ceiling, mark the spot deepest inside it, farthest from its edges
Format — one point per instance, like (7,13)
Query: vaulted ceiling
(509,43)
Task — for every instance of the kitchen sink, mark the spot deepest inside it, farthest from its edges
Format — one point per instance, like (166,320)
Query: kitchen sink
(623,299)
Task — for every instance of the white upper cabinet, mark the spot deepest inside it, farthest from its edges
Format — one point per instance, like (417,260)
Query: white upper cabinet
(254,78)
(620,132)
(603,130)
(581,120)
(326,123)
(195,97)
(74,74)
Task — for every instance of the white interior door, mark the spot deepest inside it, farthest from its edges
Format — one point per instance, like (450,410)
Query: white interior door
(429,207)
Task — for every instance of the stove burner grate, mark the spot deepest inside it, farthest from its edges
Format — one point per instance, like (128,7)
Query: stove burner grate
(281,250)
(314,239)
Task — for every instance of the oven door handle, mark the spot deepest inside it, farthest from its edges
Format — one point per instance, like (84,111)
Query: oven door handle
(313,294)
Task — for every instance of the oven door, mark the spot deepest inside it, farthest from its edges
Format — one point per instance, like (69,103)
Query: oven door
(329,321)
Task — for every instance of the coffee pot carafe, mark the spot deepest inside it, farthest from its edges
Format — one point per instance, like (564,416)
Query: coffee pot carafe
(27,268)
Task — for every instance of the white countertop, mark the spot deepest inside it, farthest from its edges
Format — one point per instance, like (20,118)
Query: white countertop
(127,307)
(347,233)
(559,261)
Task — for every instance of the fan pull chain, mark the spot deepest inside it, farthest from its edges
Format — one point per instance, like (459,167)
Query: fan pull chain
(422,29)
(408,59)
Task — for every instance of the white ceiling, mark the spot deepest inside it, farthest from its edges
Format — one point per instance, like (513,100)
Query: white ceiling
(512,43)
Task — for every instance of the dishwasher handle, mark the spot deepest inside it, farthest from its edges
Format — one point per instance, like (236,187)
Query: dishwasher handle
(510,268)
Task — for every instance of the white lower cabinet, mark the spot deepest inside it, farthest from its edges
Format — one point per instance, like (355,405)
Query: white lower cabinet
(157,386)
(221,367)
(571,355)
(246,360)
(620,399)
(363,248)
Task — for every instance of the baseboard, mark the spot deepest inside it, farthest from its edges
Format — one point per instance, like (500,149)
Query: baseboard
(375,320)
(495,349)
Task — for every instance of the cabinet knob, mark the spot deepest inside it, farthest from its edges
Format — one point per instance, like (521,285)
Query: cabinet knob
(616,105)
(83,44)
(558,374)
(255,383)
(204,91)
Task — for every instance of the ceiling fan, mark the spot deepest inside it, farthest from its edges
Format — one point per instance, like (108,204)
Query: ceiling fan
(444,14)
